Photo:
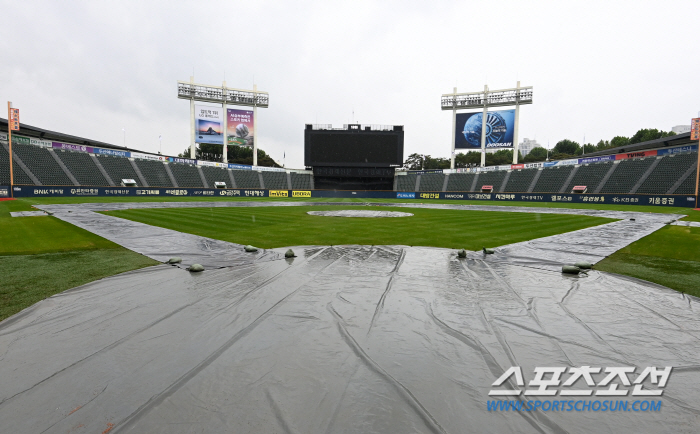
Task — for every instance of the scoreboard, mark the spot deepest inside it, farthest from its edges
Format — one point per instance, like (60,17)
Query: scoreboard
(353,146)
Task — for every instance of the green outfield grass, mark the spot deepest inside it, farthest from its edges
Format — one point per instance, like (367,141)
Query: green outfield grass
(669,257)
(270,227)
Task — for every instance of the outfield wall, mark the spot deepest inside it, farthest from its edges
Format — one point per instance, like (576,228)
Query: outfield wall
(24,191)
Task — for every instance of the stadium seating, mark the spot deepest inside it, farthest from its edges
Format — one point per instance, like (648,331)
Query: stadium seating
(275,180)
(520,180)
(118,168)
(589,175)
(626,175)
(688,185)
(216,174)
(301,181)
(460,182)
(186,175)
(41,164)
(83,168)
(552,179)
(154,172)
(494,178)
(19,175)
(666,173)
(406,182)
(246,178)
(431,182)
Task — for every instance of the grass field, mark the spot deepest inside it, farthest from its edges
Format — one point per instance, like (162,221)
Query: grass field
(270,227)
(41,256)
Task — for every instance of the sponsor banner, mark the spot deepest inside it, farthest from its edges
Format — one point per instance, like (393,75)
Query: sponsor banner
(238,166)
(40,142)
(627,155)
(213,164)
(499,129)
(301,193)
(4,191)
(268,169)
(560,163)
(400,195)
(279,193)
(112,152)
(13,122)
(20,140)
(533,165)
(240,127)
(695,129)
(181,160)
(517,166)
(209,127)
(677,150)
(148,156)
(412,172)
(71,147)
(596,159)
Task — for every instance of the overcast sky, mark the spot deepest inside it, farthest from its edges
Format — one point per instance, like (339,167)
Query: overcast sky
(598,69)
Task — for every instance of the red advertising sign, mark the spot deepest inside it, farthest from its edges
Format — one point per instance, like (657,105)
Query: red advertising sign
(635,155)
(695,129)
(14,119)
(517,166)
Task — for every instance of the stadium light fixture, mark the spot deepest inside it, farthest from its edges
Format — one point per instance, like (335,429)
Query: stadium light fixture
(222,95)
(487,98)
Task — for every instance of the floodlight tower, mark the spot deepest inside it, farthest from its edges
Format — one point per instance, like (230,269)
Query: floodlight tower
(222,95)
(487,98)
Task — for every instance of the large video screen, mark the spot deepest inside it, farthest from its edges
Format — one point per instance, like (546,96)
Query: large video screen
(353,148)
(499,129)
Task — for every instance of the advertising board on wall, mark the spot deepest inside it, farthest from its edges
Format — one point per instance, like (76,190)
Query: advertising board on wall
(209,126)
(500,126)
(240,127)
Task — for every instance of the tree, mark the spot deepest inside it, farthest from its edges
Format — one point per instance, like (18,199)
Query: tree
(236,155)
(602,145)
(618,141)
(535,155)
(645,135)
(470,159)
(413,162)
(567,147)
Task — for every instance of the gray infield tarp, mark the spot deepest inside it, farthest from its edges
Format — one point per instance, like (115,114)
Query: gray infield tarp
(342,339)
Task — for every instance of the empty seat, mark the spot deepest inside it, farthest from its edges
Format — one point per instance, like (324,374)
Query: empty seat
(552,179)
(118,168)
(688,184)
(520,180)
(494,178)
(275,180)
(589,175)
(216,174)
(42,164)
(20,177)
(246,178)
(83,168)
(154,172)
(667,173)
(406,182)
(186,175)
(460,181)
(301,181)
(626,175)
(431,182)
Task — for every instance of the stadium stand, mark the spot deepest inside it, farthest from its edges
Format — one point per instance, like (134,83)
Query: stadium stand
(688,185)
(626,175)
(246,178)
(666,173)
(431,182)
(19,175)
(216,174)
(589,175)
(186,175)
(42,164)
(118,168)
(520,180)
(301,181)
(406,182)
(491,178)
(275,180)
(460,182)
(154,172)
(552,179)
(82,167)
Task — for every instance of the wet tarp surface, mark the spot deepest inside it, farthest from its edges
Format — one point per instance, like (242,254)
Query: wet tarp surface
(351,339)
